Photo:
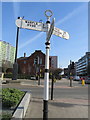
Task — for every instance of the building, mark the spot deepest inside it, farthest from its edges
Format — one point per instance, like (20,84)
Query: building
(7,54)
(53,61)
(83,65)
(66,71)
(34,64)
(70,70)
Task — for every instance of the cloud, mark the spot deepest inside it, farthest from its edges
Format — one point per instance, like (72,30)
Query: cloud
(71,14)
(67,17)
(16,8)
(31,40)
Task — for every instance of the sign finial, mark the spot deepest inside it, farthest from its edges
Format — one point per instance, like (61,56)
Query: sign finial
(48,13)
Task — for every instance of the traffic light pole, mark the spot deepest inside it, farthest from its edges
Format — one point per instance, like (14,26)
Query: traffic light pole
(46,78)
(52,87)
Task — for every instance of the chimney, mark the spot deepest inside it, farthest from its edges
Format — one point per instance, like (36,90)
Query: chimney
(24,54)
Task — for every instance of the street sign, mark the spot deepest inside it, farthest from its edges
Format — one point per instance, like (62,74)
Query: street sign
(60,33)
(21,23)
(50,30)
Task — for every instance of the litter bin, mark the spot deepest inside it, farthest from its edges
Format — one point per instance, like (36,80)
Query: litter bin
(83,82)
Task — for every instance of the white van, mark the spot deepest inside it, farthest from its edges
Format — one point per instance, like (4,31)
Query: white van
(76,78)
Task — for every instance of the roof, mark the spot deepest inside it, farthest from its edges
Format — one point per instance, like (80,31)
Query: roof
(22,58)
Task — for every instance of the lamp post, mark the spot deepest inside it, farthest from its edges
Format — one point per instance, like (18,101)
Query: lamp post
(15,65)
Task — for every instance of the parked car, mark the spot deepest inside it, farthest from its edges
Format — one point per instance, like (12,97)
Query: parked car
(87,81)
(77,78)
(33,78)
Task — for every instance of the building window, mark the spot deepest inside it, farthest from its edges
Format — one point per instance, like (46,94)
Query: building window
(24,62)
(40,61)
(36,60)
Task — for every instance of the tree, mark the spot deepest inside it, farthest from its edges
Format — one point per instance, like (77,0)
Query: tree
(5,65)
(56,72)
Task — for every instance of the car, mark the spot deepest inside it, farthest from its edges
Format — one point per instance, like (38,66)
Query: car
(87,81)
(77,78)
(33,78)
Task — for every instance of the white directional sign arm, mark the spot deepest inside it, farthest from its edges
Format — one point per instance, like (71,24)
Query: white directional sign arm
(60,33)
(31,25)
(38,26)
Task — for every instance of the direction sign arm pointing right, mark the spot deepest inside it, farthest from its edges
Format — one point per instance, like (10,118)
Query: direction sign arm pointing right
(60,33)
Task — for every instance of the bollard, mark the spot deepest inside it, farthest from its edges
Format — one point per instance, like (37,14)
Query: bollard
(83,82)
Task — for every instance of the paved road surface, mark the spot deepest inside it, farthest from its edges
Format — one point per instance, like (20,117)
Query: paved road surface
(69,102)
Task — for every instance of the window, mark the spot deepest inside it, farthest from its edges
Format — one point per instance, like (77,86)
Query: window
(40,60)
(24,62)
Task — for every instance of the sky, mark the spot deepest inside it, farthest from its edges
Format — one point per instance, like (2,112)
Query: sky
(69,16)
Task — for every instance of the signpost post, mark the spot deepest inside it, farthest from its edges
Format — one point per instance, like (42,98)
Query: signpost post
(15,65)
(49,29)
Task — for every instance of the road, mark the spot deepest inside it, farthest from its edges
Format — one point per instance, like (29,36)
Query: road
(61,89)
(68,101)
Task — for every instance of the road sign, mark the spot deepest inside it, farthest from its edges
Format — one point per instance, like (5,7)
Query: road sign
(31,25)
(60,33)
(21,23)
(50,30)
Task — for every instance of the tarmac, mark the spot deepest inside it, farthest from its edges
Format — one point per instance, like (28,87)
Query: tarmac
(59,108)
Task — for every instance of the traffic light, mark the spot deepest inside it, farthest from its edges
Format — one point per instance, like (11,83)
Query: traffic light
(72,65)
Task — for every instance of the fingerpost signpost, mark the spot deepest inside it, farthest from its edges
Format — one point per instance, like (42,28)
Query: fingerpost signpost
(49,29)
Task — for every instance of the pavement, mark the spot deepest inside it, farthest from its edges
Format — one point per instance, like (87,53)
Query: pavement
(60,107)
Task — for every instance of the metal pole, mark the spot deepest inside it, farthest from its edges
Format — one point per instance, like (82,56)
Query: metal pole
(52,87)
(39,78)
(70,82)
(39,74)
(46,78)
(15,65)
(16,44)
(70,73)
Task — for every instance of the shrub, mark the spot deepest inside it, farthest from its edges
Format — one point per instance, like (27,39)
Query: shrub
(8,75)
(11,97)
(6,116)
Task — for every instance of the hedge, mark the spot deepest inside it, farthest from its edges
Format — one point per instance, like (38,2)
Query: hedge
(11,97)
(6,116)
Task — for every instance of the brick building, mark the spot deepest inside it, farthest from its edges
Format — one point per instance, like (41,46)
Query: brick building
(34,64)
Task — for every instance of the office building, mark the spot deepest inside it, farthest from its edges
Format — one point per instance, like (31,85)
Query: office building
(83,65)
(7,53)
